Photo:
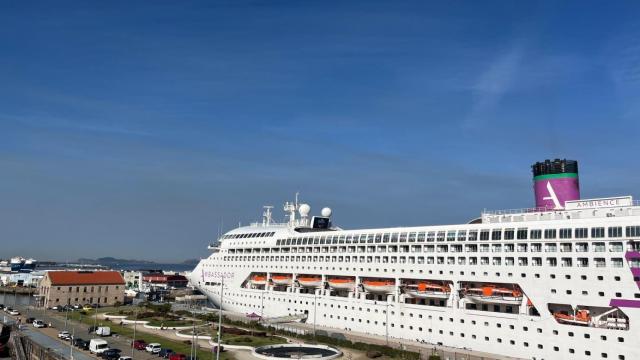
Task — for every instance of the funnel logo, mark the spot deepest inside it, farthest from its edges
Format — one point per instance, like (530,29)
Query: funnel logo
(552,196)
(553,190)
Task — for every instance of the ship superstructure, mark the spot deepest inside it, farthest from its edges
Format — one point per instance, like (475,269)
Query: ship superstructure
(552,282)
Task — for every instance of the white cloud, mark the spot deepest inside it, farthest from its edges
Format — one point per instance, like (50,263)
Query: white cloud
(492,84)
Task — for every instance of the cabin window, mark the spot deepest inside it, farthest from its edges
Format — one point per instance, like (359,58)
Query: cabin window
(484,235)
(550,233)
(509,234)
(633,231)
(597,232)
(565,233)
(615,231)
(496,234)
(473,235)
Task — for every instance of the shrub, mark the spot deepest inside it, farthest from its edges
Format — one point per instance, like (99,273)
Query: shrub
(372,354)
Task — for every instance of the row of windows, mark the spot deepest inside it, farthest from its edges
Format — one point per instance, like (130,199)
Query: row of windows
(581,247)
(464,235)
(249,235)
(77,288)
(450,260)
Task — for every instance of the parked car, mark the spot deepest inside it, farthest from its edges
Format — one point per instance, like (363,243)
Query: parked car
(30,320)
(124,358)
(139,344)
(14,312)
(1,306)
(165,353)
(39,324)
(91,329)
(57,307)
(87,308)
(76,307)
(78,342)
(176,356)
(110,354)
(64,335)
(153,348)
(97,346)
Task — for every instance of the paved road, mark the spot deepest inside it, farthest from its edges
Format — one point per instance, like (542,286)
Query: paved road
(57,346)
(79,330)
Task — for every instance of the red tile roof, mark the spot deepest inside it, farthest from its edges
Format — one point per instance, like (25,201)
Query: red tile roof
(85,278)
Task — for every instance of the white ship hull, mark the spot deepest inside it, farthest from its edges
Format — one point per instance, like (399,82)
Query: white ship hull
(593,272)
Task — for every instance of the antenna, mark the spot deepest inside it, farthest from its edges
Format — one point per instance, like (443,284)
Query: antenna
(266,215)
(291,208)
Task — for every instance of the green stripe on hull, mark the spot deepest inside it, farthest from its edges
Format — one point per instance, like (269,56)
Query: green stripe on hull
(555,176)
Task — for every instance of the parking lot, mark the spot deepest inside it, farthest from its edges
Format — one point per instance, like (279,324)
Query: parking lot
(49,336)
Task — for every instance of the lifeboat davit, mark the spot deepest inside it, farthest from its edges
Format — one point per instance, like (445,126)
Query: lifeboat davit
(259,280)
(310,281)
(582,318)
(342,284)
(491,294)
(281,279)
(377,286)
(427,290)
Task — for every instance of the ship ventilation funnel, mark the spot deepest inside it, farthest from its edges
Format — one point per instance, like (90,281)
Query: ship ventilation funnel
(554,182)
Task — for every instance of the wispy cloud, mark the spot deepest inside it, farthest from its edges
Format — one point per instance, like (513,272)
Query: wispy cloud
(88,126)
(492,84)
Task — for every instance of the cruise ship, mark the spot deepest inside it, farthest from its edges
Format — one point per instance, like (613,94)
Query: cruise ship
(557,281)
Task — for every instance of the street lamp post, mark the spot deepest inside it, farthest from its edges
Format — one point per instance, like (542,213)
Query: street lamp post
(220,318)
(66,317)
(73,333)
(135,323)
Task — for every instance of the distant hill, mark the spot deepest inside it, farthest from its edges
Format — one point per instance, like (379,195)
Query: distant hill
(112,261)
(191,262)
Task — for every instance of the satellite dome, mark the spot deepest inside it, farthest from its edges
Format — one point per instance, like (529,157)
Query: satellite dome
(326,212)
(304,209)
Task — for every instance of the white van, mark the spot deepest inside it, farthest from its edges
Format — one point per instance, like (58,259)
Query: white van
(103,331)
(153,348)
(98,346)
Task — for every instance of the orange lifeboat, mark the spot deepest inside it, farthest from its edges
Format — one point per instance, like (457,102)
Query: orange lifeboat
(310,281)
(281,279)
(494,295)
(342,283)
(582,318)
(259,280)
(426,290)
(379,286)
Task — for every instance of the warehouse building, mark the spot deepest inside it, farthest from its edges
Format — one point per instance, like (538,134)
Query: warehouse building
(103,288)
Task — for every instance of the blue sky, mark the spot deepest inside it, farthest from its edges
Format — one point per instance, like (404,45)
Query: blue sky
(136,129)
